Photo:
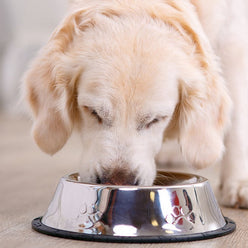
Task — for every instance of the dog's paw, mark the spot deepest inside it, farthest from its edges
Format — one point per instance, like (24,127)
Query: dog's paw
(234,194)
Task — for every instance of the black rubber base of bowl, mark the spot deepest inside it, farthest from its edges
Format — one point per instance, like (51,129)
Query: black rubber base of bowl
(38,226)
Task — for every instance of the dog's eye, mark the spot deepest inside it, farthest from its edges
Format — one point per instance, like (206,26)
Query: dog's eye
(93,113)
(152,122)
(155,120)
(147,122)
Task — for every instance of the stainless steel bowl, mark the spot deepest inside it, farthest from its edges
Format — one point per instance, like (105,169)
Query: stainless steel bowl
(179,207)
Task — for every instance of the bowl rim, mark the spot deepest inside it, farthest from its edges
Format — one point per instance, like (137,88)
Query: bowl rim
(200,180)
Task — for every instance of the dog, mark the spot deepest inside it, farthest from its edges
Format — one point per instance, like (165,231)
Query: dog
(130,75)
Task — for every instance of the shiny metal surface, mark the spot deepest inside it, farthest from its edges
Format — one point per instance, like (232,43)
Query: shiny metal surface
(178,204)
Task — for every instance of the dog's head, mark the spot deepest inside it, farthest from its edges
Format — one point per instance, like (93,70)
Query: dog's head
(126,79)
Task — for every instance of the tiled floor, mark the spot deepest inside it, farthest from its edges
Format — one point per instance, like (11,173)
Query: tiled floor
(28,179)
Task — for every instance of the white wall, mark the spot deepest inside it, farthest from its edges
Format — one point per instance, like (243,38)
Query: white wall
(25,25)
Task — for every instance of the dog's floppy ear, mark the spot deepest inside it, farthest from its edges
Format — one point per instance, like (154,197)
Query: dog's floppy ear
(50,86)
(203,113)
(203,118)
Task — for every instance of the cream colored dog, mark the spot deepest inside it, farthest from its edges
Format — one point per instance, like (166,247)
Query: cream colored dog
(129,74)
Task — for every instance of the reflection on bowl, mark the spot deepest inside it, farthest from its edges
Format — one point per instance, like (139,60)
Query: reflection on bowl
(179,207)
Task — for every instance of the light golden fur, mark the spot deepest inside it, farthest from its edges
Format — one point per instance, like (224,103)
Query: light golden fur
(128,75)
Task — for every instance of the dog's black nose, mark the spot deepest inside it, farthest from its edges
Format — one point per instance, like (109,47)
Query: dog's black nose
(117,176)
